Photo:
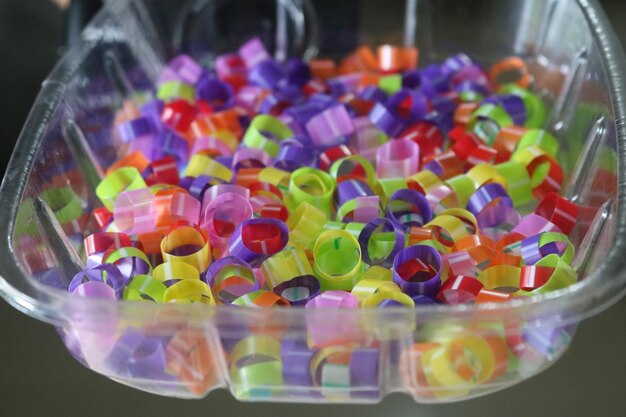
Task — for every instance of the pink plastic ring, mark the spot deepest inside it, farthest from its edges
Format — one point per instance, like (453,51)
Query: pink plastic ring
(222,216)
(397,159)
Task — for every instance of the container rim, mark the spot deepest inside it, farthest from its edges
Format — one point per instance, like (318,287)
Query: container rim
(594,294)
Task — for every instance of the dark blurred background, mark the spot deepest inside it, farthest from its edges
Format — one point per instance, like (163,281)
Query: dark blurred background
(38,377)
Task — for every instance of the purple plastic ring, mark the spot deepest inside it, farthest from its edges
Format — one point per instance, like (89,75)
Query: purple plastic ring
(455,63)
(426,255)
(220,264)
(291,157)
(473,73)
(472,86)
(364,375)
(199,185)
(94,289)
(136,128)
(351,189)
(302,113)
(424,300)
(169,143)
(330,125)
(438,76)
(253,52)
(298,72)
(250,158)
(489,194)
(368,231)
(419,104)
(114,278)
(217,93)
(152,110)
(266,74)
(239,247)
(504,218)
(386,120)
(225,262)
(406,218)
(512,104)
(139,356)
(296,358)
(307,282)
(373,93)
(182,68)
(533,224)
(533,251)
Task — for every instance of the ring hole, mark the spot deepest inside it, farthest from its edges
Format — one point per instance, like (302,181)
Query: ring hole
(380,244)
(338,256)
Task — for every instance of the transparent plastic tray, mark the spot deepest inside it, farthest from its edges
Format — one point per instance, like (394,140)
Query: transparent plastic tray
(187,351)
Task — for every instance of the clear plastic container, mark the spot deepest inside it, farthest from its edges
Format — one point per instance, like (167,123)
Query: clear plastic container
(269,355)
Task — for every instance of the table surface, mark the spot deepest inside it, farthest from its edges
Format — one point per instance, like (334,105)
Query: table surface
(39,378)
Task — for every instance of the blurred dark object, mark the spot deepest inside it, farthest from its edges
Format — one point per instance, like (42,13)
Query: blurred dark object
(30,35)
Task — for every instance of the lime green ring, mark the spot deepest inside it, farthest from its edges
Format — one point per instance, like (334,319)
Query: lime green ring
(297,195)
(305,223)
(248,299)
(375,299)
(26,223)
(256,380)
(332,225)
(471,97)
(128,252)
(354,228)
(200,164)
(144,285)
(123,179)
(189,291)
(172,90)
(346,248)
(496,114)
(463,187)
(562,277)
(541,139)
(608,160)
(64,203)
(385,187)
(345,209)
(376,272)
(550,237)
(390,84)
(381,244)
(255,137)
(370,172)
(276,177)
(287,264)
(518,182)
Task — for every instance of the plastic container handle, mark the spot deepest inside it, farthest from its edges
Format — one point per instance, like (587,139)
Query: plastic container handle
(77,15)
